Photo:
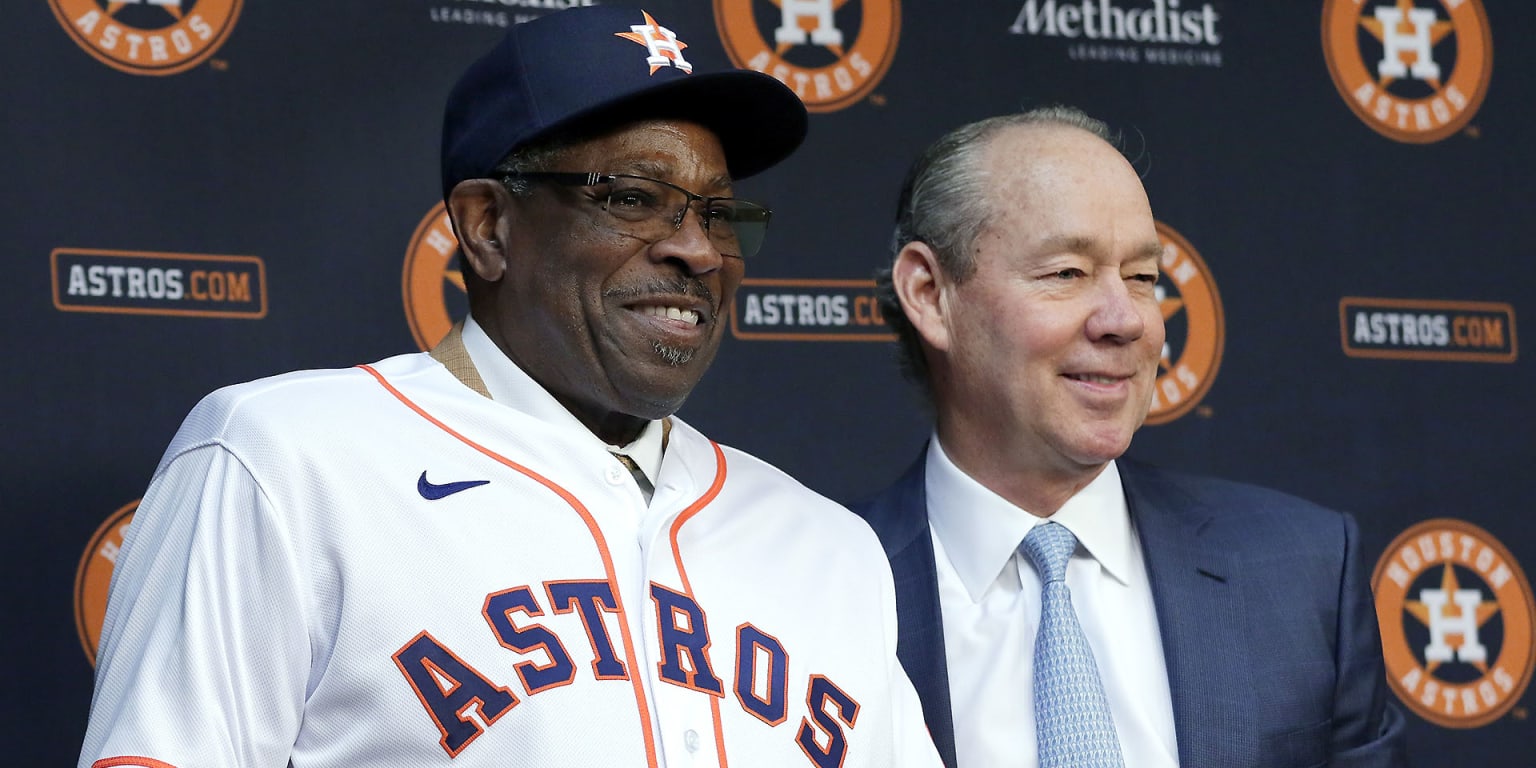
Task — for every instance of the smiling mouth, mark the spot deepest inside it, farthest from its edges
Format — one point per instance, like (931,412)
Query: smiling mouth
(680,301)
(690,316)
(1093,378)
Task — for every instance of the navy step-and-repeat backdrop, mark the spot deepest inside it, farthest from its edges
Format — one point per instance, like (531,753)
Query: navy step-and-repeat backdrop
(199,192)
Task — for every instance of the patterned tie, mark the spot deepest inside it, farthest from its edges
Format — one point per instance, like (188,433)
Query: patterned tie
(1072,719)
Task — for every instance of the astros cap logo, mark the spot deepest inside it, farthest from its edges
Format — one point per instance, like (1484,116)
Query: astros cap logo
(1456,617)
(1196,329)
(664,47)
(830,56)
(432,280)
(1414,71)
(95,574)
(148,37)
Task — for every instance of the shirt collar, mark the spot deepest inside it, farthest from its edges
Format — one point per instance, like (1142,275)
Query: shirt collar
(981,531)
(646,450)
(511,386)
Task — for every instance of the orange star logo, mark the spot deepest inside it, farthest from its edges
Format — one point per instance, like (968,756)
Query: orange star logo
(129,37)
(1421,611)
(1433,680)
(1446,46)
(1437,32)
(665,48)
(1191,354)
(809,24)
(795,44)
(1170,306)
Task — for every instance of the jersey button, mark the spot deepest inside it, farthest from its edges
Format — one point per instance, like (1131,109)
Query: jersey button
(691,740)
(615,474)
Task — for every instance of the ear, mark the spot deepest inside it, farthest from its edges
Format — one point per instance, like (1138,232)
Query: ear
(923,289)
(475,207)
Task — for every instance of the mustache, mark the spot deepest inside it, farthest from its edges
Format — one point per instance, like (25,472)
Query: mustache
(678,286)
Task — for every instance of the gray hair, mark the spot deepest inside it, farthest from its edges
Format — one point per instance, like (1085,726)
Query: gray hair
(945,203)
(537,156)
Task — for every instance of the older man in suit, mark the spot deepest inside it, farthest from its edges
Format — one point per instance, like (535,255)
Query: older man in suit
(1059,605)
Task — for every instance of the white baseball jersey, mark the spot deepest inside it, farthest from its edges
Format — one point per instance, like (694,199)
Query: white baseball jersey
(380,567)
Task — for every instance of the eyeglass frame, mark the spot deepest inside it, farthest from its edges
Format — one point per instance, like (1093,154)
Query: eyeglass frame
(594,178)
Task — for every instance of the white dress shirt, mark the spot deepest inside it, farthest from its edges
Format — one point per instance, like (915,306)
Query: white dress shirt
(989,594)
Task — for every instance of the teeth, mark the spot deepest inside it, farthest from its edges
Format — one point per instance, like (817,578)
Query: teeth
(672,313)
(1095,379)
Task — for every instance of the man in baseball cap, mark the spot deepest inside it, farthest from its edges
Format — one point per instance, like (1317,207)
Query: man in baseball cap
(509,551)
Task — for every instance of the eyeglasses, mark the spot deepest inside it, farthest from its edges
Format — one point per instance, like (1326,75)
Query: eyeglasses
(652,210)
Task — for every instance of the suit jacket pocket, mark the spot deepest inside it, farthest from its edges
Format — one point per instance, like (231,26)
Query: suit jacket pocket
(1303,747)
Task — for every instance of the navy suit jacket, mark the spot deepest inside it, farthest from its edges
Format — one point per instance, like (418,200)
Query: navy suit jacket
(1267,622)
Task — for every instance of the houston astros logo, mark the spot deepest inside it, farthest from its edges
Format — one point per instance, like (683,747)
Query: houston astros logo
(829,55)
(1196,329)
(148,37)
(95,574)
(1414,71)
(662,43)
(1456,616)
(432,280)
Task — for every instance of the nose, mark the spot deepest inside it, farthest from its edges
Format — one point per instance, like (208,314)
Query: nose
(1119,315)
(689,245)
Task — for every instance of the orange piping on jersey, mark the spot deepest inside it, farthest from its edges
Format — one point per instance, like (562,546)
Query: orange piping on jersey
(693,509)
(597,537)
(677,557)
(130,762)
(714,709)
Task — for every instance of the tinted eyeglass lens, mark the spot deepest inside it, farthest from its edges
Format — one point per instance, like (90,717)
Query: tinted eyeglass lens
(639,200)
(735,226)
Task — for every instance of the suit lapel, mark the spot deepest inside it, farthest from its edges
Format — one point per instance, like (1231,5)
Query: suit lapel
(1200,612)
(900,517)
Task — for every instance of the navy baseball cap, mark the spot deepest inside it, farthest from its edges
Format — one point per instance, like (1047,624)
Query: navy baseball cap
(591,66)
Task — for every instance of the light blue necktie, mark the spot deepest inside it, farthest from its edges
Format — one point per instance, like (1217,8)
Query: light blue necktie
(1072,719)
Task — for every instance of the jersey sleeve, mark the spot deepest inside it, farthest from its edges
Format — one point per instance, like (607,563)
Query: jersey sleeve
(913,746)
(204,656)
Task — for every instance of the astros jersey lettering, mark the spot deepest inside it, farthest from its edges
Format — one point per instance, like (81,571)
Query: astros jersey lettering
(385,568)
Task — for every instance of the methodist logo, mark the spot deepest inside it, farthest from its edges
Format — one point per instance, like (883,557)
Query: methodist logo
(95,574)
(1456,617)
(148,37)
(1415,72)
(432,287)
(1119,32)
(496,13)
(831,52)
(1196,329)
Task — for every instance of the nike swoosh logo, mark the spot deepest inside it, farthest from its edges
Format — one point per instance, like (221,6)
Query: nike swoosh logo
(433,491)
